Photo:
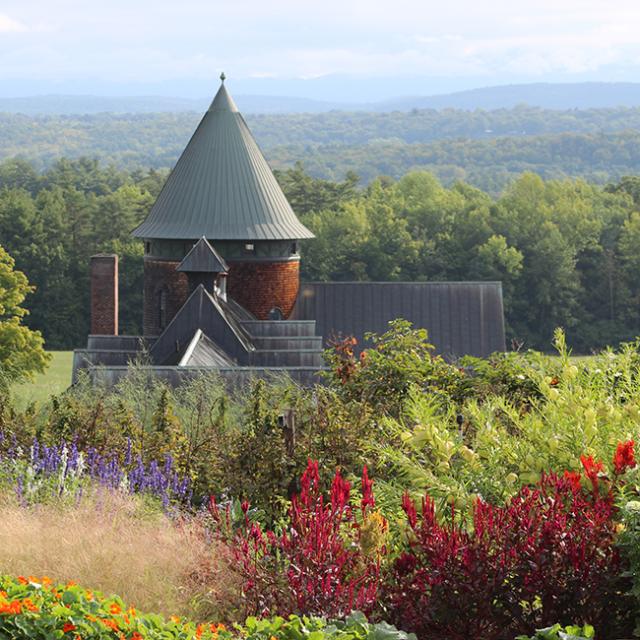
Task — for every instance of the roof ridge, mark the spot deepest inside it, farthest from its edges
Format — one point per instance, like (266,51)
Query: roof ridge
(203,258)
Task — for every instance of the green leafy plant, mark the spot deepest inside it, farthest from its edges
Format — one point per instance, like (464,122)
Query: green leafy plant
(557,632)
(34,609)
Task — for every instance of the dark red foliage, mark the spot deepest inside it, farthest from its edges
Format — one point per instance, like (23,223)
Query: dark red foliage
(316,564)
(624,457)
(547,556)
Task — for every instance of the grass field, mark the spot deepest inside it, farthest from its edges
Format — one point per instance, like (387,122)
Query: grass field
(54,380)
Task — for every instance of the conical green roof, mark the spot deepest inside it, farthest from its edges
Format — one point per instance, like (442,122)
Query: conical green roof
(222,187)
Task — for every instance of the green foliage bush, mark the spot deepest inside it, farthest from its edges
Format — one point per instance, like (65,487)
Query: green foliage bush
(557,632)
(33,609)
(519,416)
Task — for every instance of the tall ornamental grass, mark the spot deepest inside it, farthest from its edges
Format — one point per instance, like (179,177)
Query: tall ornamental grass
(117,543)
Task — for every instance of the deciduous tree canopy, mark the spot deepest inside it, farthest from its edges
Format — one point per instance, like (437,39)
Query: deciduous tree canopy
(565,250)
(21,350)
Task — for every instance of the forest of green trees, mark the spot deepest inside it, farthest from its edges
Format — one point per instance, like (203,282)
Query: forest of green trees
(484,148)
(565,250)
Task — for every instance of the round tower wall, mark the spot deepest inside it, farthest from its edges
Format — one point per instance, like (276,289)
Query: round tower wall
(165,291)
(261,286)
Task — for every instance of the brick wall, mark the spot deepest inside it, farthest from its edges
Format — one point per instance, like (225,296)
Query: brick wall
(161,276)
(104,294)
(261,286)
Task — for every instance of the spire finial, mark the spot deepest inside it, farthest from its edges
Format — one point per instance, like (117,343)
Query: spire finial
(223,77)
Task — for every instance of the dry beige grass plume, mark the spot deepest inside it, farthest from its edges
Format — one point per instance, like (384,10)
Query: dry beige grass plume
(110,544)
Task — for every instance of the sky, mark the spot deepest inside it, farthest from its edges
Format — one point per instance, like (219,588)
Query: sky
(331,49)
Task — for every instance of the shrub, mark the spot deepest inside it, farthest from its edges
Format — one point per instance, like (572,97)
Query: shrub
(34,609)
(353,627)
(547,555)
(382,376)
(557,632)
(325,561)
(495,443)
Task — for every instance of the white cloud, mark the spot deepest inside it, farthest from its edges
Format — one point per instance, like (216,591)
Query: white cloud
(152,40)
(9,25)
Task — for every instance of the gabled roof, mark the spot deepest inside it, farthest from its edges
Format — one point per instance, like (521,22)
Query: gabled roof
(204,352)
(201,311)
(222,187)
(203,258)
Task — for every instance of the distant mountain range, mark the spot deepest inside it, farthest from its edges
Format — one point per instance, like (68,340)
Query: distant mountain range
(581,95)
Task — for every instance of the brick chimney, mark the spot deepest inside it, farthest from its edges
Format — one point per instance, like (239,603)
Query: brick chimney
(104,294)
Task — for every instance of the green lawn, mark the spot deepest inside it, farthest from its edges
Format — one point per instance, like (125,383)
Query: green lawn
(54,380)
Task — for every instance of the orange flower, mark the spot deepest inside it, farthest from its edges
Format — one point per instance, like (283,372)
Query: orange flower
(71,583)
(12,608)
(115,609)
(132,612)
(22,580)
(28,603)
(88,594)
(91,618)
(111,624)
(221,627)
(175,619)
(136,636)
(199,630)
(46,581)
(68,627)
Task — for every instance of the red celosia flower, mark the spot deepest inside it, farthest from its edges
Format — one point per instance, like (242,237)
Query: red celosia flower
(367,491)
(548,542)
(624,458)
(409,508)
(340,492)
(574,479)
(318,554)
(68,627)
(592,468)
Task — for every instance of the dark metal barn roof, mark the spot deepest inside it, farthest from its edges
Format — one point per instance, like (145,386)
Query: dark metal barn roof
(462,318)
(222,187)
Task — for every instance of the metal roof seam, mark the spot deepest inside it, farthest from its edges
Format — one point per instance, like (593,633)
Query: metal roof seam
(222,187)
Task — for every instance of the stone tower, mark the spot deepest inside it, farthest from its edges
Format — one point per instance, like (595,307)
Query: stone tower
(222,189)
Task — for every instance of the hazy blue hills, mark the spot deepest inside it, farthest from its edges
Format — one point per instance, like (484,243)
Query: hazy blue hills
(583,95)
(76,104)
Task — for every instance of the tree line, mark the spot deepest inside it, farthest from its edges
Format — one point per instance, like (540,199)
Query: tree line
(566,250)
(484,148)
